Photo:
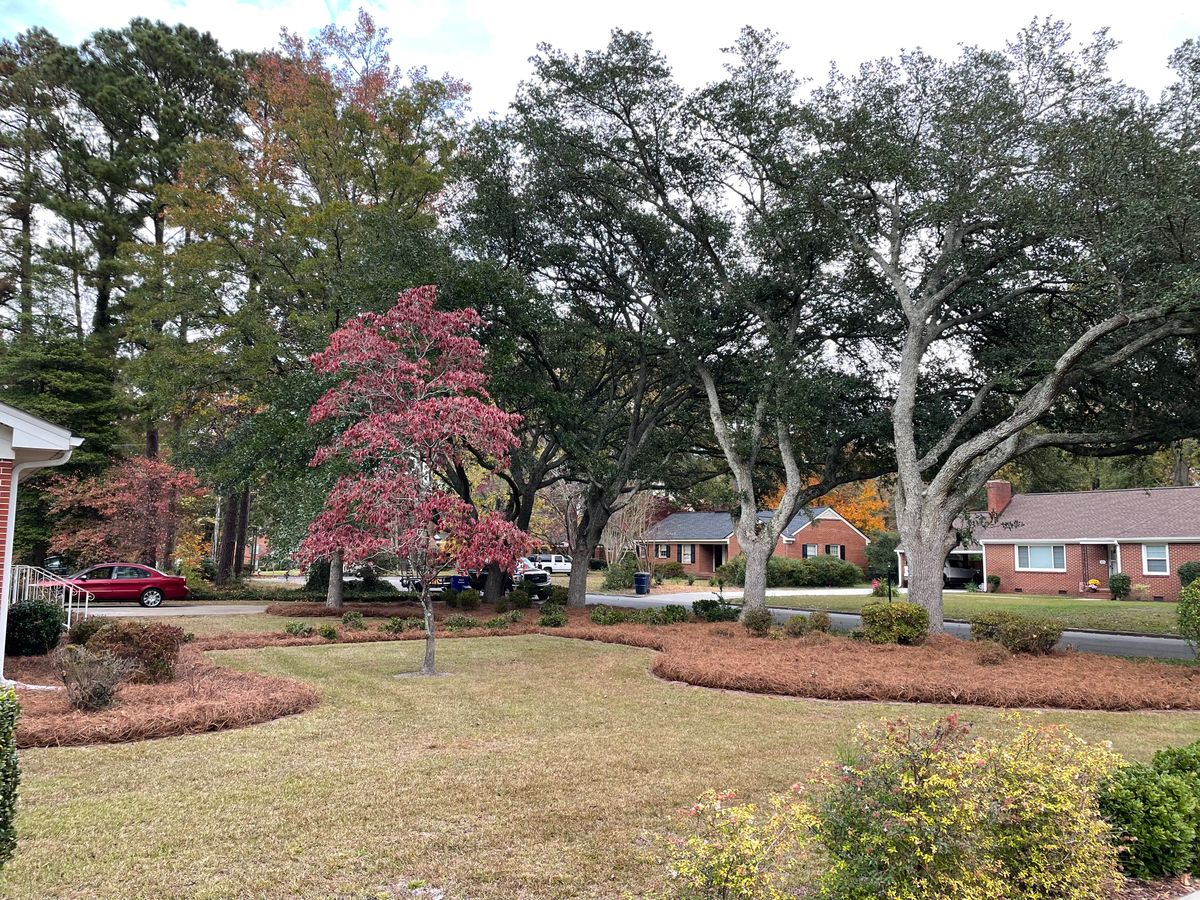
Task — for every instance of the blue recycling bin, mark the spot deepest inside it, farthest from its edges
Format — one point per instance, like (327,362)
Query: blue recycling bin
(641,582)
(460,582)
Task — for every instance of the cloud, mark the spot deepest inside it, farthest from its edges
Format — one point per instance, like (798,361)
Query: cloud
(489,42)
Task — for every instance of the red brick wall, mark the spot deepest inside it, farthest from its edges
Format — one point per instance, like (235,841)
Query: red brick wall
(1165,586)
(827,531)
(1001,561)
(5,496)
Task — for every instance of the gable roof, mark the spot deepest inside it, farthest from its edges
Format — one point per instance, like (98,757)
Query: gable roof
(718,526)
(1168,512)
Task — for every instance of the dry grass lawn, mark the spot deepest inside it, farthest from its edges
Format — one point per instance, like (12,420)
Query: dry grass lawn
(539,768)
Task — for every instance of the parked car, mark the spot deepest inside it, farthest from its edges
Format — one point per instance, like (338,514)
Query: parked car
(552,562)
(130,581)
(527,575)
(958,570)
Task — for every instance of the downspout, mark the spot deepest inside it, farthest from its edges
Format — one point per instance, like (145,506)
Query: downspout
(9,530)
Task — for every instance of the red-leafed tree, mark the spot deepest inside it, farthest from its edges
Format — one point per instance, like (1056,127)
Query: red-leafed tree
(135,510)
(412,396)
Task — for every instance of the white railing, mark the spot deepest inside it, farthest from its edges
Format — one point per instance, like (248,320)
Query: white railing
(32,583)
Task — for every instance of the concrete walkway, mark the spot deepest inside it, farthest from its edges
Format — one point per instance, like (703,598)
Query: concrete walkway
(1087,641)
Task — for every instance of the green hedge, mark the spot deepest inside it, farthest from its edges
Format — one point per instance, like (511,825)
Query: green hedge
(1016,633)
(782,571)
(900,622)
(10,773)
(34,627)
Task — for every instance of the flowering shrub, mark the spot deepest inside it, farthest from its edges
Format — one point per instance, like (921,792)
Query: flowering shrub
(738,850)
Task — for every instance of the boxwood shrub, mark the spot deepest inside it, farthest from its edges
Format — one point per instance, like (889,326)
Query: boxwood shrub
(900,622)
(1153,814)
(34,627)
(1189,572)
(714,609)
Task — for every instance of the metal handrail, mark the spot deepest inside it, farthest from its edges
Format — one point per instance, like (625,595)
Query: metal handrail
(33,583)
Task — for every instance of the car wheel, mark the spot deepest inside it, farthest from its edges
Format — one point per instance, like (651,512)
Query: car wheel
(152,597)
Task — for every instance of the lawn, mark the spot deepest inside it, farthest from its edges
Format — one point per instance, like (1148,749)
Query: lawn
(540,767)
(1070,612)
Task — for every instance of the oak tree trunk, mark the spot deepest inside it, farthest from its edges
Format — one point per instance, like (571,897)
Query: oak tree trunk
(757,552)
(239,553)
(228,539)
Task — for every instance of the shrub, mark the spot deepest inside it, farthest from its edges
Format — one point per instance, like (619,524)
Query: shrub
(82,630)
(520,599)
(993,583)
(931,812)
(460,623)
(153,646)
(505,620)
(895,623)
(660,615)
(1189,572)
(34,627)
(450,598)
(1153,815)
(469,599)
(553,616)
(714,609)
(298,629)
(796,626)
(819,621)
(353,620)
(758,621)
(394,625)
(413,623)
(782,571)
(619,575)
(559,594)
(1119,585)
(327,631)
(92,677)
(608,615)
(669,569)
(10,773)
(989,653)
(738,851)
(1188,613)
(690,579)
(1018,634)
(1139,592)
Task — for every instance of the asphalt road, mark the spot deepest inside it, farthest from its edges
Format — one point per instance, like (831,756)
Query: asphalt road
(1087,641)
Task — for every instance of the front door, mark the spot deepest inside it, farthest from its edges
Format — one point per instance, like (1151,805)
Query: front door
(718,557)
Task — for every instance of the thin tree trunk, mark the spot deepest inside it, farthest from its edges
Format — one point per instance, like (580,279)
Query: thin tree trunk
(334,594)
(239,553)
(428,666)
(229,526)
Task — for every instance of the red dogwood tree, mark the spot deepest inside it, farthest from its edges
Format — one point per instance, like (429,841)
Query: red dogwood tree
(136,509)
(413,397)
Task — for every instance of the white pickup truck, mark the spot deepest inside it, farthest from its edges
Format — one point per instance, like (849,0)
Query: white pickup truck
(554,563)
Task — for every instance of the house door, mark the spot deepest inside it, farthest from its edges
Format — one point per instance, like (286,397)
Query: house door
(718,556)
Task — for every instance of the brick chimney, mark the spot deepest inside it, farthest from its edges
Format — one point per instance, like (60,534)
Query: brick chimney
(999,495)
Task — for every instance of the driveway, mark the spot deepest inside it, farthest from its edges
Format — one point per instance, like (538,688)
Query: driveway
(1087,641)
(195,609)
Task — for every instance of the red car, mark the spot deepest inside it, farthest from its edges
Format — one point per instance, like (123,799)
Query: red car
(130,581)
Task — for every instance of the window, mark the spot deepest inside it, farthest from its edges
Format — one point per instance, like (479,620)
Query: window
(838,550)
(100,573)
(1041,558)
(687,553)
(130,572)
(662,551)
(810,550)
(1155,560)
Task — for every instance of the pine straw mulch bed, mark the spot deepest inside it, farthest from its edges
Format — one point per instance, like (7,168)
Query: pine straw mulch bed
(203,697)
(1167,889)
(944,670)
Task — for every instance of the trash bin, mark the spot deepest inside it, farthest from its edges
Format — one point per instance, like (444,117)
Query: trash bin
(641,582)
(460,582)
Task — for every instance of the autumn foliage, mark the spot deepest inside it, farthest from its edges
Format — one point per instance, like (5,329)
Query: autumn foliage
(858,503)
(139,509)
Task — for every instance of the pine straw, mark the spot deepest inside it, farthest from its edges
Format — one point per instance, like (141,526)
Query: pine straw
(203,697)
(944,670)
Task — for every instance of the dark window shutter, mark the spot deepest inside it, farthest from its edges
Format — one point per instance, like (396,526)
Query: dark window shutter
(841,551)
(679,552)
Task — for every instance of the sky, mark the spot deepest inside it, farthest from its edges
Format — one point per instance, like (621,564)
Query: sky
(488,42)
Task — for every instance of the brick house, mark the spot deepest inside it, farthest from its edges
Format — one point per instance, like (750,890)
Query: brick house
(702,541)
(1056,543)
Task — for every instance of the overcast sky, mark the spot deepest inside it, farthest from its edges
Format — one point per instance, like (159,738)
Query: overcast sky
(488,42)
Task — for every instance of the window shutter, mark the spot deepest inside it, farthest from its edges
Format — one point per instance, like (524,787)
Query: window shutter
(679,552)
(804,551)
(841,551)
